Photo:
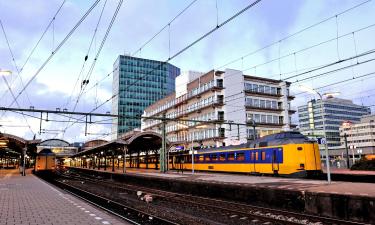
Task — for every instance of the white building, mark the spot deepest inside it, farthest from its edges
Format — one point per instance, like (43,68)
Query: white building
(360,137)
(221,96)
(336,111)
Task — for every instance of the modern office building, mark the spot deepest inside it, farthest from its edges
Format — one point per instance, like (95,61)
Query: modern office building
(336,111)
(138,83)
(221,96)
(360,137)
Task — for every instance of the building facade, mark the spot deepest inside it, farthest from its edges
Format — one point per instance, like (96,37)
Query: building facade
(221,97)
(336,111)
(360,137)
(138,83)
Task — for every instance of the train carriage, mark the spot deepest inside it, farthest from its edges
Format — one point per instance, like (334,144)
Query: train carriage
(286,153)
(45,161)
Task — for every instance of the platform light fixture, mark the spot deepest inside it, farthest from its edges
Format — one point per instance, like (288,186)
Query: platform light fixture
(314,91)
(5,72)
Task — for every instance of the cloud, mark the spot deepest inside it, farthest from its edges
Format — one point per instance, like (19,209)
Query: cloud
(140,20)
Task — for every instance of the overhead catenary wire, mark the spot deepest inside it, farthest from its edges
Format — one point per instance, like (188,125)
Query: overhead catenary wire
(182,50)
(56,50)
(87,53)
(164,27)
(13,60)
(98,54)
(294,34)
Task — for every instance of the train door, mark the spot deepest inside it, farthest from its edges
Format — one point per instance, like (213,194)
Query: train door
(253,160)
(275,161)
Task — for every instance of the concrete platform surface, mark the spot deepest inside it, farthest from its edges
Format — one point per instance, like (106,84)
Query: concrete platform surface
(317,186)
(29,200)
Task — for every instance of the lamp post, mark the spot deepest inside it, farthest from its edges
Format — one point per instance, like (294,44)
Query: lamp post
(192,142)
(313,91)
(345,124)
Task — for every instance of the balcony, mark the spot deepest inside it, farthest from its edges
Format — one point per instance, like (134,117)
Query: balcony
(251,107)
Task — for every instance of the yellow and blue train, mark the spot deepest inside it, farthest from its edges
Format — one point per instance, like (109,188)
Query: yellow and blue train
(45,161)
(285,153)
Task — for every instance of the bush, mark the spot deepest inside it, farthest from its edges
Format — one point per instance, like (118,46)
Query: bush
(364,164)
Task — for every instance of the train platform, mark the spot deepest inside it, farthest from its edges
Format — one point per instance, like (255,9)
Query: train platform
(351,172)
(305,185)
(27,200)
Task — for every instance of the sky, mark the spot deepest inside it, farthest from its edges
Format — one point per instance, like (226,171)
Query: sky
(254,42)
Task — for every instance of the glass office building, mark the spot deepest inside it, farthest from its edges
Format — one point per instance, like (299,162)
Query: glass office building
(137,83)
(336,111)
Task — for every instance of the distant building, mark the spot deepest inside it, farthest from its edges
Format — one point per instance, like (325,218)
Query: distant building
(221,96)
(360,137)
(138,83)
(336,111)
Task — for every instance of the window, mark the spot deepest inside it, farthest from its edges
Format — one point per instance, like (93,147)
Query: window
(207,158)
(214,157)
(261,89)
(256,102)
(262,103)
(263,156)
(222,157)
(231,156)
(264,119)
(252,156)
(256,156)
(240,156)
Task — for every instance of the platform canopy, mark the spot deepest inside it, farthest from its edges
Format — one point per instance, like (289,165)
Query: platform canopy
(13,145)
(138,142)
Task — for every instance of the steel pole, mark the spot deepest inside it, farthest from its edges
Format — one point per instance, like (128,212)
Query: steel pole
(325,137)
(192,155)
(347,151)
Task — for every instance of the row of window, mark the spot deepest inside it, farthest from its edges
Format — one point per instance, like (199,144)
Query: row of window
(262,89)
(264,118)
(193,92)
(202,103)
(261,103)
(196,135)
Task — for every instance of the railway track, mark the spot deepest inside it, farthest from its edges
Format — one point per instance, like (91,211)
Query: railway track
(207,210)
(127,213)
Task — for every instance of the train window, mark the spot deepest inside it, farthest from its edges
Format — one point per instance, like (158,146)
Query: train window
(256,156)
(252,156)
(222,157)
(207,158)
(231,156)
(240,156)
(214,157)
(201,158)
(263,156)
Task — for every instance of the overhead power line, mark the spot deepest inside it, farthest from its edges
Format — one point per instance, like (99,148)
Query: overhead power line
(181,51)
(294,34)
(163,28)
(56,49)
(13,60)
(97,55)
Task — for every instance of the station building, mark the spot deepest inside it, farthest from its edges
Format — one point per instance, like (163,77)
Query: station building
(360,137)
(137,83)
(336,111)
(220,97)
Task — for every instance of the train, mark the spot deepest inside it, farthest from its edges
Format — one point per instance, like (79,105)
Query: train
(289,154)
(45,161)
